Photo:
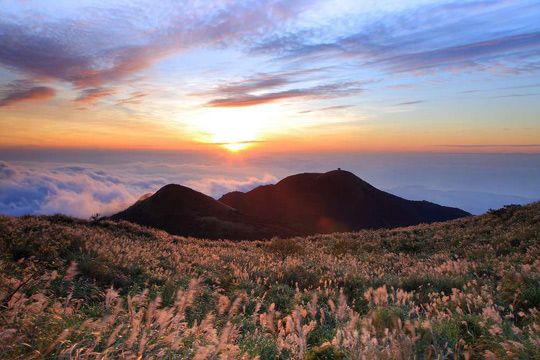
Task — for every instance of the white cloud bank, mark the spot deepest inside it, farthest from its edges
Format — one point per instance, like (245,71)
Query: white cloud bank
(82,183)
(82,191)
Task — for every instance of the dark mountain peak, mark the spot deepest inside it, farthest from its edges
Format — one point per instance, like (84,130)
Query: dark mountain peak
(330,178)
(337,200)
(306,203)
(181,210)
(175,191)
(173,188)
(179,198)
(339,174)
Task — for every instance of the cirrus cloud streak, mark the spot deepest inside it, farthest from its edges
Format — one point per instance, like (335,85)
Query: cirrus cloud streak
(32,94)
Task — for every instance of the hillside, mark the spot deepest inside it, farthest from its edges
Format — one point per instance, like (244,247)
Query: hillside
(303,204)
(467,288)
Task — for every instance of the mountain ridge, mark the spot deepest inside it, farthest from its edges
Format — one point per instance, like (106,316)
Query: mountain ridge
(300,204)
(181,210)
(334,201)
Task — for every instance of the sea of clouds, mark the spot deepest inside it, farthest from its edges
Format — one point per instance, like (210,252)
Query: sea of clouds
(82,184)
(84,190)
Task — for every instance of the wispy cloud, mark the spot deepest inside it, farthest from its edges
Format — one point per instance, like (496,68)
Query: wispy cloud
(516,95)
(252,100)
(257,83)
(473,54)
(452,36)
(98,54)
(135,97)
(317,92)
(490,145)
(409,103)
(515,87)
(92,95)
(327,108)
(118,43)
(31,94)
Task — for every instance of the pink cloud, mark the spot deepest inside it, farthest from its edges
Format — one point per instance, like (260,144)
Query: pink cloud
(32,94)
(92,95)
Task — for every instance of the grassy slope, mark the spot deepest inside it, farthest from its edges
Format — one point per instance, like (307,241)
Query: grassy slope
(465,287)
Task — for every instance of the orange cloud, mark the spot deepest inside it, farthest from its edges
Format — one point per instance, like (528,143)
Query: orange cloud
(35,93)
(91,96)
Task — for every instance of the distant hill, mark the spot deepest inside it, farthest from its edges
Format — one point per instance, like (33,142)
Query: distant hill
(302,204)
(180,210)
(334,201)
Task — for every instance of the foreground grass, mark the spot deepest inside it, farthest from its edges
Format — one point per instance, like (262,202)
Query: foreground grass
(463,289)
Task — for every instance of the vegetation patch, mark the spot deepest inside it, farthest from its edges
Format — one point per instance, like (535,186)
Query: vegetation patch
(463,289)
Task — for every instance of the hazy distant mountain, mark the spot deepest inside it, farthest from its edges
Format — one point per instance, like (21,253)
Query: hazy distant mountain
(334,201)
(180,210)
(476,202)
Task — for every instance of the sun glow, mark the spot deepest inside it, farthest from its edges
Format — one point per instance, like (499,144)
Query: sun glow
(233,129)
(235,147)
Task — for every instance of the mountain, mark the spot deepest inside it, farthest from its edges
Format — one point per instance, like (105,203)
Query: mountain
(180,210)
(301,204)
(334,201)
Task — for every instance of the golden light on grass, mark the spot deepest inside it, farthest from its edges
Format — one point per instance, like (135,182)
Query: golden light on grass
(437,298)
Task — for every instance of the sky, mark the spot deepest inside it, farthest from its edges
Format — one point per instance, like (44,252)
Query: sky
(276,75)
(103,101)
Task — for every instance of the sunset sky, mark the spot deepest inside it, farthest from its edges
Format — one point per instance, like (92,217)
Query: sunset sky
(447,76)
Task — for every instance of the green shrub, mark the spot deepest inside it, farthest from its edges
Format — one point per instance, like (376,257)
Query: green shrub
(426,284)
(260,345)
(354,289)
(325,352)
(203,304)
(530,295)
(285,247)
(342,246)
(450,331)
(301,276)
(101,272)
(520,291)
(323,332)
(505,212)
(386,318)
(282,296)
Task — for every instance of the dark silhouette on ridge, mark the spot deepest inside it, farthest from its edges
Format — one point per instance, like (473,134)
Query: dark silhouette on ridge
(183,211)
(334,201)
(300,204)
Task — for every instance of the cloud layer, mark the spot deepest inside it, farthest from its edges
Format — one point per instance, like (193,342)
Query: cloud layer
(99,46)
(445,36)
(119,40)
(83,183)
(82,191)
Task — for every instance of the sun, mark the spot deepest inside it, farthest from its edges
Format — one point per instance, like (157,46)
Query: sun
(232,129)
(235,147)
(234,134)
